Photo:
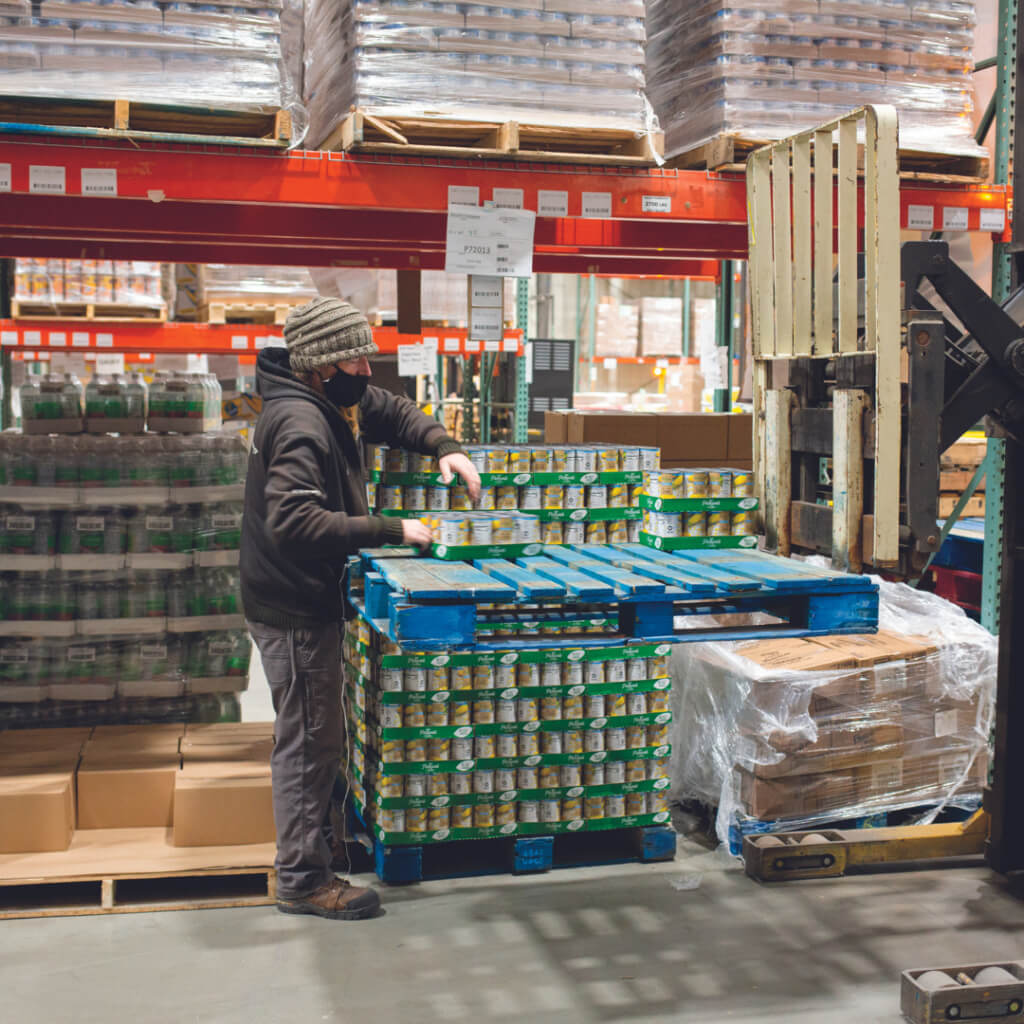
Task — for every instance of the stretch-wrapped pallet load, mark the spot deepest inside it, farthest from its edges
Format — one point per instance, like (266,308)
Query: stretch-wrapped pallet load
(226,55)
(554,62)
(117,282)
(808,732)
(764,69)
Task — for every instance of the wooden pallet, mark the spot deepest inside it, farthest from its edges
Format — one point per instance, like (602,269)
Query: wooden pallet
(245,312)
(155,122)
(956,481)
(729,151)
(363,132)
(26,309)
(434,604)
(975,505)
(123,871)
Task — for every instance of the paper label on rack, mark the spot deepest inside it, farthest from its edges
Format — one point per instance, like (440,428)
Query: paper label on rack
(239,341)
(472,346)
(5,178)
(921,218)
(47,180)
(58,339)
(452,345)
(110,362)
(509,345)
(656,204)
(8,337)
(508,198)
(486,290)
(489,241)
(33,337)
(552,203)
(431,344)
(597,204)
(485,324)
(492,346)
(463,195)
(414,360)
(954,218)
(610,363)
(99,181)
(104,341)
(990,220)
(80,339)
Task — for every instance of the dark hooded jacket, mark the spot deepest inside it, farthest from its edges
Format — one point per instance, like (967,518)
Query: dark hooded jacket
(305,494)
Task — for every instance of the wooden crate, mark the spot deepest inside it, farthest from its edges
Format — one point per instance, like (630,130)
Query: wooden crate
(363,132)
(956,481)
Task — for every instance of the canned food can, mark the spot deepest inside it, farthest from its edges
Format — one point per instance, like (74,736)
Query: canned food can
(504,780)
(629,459)
(462,749)
(696,524)
(615,739)
(618,531)
(483,712)
(439,499)
(720,483)
(420,463)
(597,496)
(529,744)
(437,785)
(615,670)
(528,674)
(742,524)
(460,783)
(551,709)
(572,707)
(437,678)
(497,460)
(437,716)
(595,706)
(719,524)
(551,533)
(657,701)
(636,803)
(391,716)
(460,677)
(596,533)
(391,785)
(478,456)
(506,498)
(392,821)
(636,704)
(462,816)
(574,533)
(460,500)
(416,785)
(484,746)
(633,526)
(593,774)
(695,483)
(636,771)
(460,714)
(650,458)
(527,710)
(530,497)
(668,524)
(508,746)
(584,459)
(438,818)
(636,669)
(742,485)
(551,743)
(390,497)
(526,778)
(396,460)
(416,819)
(572,673)
(542,460)
(483,781)
(552,496)
(415,750)
(636,737)
(595,672)
(392,751)
(503,529)
(574,496)
(572,809)
(570,775)
(548,776)
(593,807)
(487,499)
(483,816)
(615,773)
(618,496)
(371,496)
(500,676)
(506,710)
(657,801)
(481,530)
(572,742)
(658,666)
(657,735)
(415,680)
(414,497)
(615,703)
(615,806)
(593,740)
(607,460)
(505,814)
(529,811)
(550,811)
(551,674)
(563,460)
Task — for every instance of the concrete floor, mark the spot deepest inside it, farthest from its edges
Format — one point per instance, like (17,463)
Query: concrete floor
(605,944)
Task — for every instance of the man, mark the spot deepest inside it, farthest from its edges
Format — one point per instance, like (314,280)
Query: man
(305,514)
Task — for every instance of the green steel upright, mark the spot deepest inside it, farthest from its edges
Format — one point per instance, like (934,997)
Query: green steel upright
(723,335)
(521,413)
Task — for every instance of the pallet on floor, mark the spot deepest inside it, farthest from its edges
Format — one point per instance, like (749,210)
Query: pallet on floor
(153,122)
(728,151)
(245,312)
(122,871)
(434,604)
(364,132)
(26,309)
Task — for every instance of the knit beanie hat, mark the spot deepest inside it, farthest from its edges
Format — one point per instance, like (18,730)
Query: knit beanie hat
(326,331)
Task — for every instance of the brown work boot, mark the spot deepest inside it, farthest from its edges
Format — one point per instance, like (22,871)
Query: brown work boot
(339,900)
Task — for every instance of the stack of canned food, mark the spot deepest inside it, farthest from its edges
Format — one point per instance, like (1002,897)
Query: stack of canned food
(731,490)
(477,529)
(464,745)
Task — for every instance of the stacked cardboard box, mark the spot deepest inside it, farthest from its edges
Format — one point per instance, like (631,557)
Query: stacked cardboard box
(617,330)
(661,326)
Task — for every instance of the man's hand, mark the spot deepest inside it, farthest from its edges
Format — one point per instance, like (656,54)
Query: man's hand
(416,533)
(457,463)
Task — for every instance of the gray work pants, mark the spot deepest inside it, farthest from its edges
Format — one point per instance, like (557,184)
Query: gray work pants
(303,668)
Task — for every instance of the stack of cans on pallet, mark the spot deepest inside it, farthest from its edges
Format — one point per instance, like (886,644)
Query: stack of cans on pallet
(579,494)
(480,744)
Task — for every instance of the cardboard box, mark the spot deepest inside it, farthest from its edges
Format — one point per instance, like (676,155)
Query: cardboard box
(37,811)
(838,750)
(228,732)
(43,739)
(556,427)
(126,796)
(256,751)
(223,804)
(640,428)
(741,439)
(797,796)
(107,734)
(35,762)
(700,438)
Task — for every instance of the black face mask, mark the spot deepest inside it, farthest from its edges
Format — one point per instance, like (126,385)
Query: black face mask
(345,389)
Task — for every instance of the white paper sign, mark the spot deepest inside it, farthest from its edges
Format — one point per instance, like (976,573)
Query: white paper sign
(472,346)
(33,337)
(508,198)
(8,337)
(485,324)
(609,364)
(110,362)
(452,345)
(993,220)
(414,360)
(954,218)
(47,180)
(430,343)
(489,241)
(99,181)
(58,339)
(552,203)
(656,204)
(509,345)
(104,341)
(597,204)
(921,218)
(5,177)
(486,291)
(463,195)
(80,339)
(240,342)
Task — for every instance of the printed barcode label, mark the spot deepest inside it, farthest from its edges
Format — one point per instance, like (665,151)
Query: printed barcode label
(89,524)
(158,522)
(992,220)
(81,654)
(224,522)
(954,218)
(47,180)
(14,655)
(221,646)
(656,204)
(5,177)
(921,218)
(154,652)
(552,203)
(99,181)
(20,524)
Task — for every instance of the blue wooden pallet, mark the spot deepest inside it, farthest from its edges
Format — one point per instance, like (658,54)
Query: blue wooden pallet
(434,604)
(401,865)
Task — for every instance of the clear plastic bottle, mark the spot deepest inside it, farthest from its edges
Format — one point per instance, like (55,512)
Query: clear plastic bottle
(115,394)
(24,471)
(154,595)
(48,404)
(115,533)
(87,595)
(226,523)
(71,467)
(72,397)
(183,537)
(136,397)
(44,451)
(28,393)
(197,593)
(110,598)
(94,398)
(177,595)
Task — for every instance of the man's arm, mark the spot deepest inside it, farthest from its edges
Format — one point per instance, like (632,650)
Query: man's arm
(395,420)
